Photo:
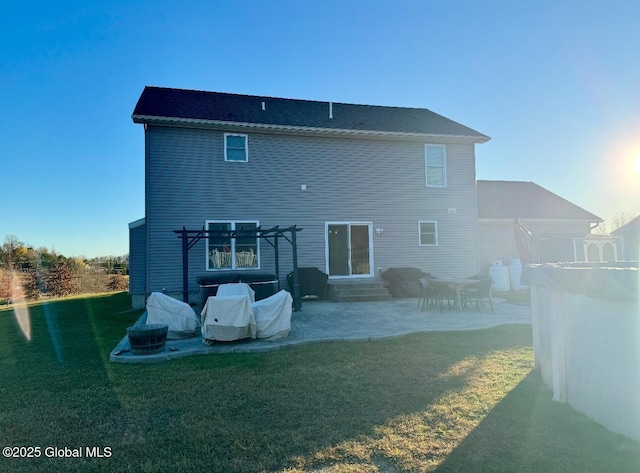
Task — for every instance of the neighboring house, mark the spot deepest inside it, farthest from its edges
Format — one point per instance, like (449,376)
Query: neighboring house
(561,229)
(629,235)
(372,187)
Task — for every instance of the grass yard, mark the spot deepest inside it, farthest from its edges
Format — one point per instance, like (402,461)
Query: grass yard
(432,402)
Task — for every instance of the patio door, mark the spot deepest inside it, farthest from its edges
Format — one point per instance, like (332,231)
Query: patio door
(348,249)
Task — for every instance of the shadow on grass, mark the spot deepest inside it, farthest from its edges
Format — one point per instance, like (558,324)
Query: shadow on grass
(75,329)
(416,403)
(527,432)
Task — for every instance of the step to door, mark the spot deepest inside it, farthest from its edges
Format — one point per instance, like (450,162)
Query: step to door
(357,291)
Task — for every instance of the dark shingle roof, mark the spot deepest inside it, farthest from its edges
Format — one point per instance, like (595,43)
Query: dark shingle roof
(526,200)
(157,103)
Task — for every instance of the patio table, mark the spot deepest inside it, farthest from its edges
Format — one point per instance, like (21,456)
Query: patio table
(457,284)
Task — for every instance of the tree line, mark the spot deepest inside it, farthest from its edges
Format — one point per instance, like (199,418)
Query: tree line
(33,273)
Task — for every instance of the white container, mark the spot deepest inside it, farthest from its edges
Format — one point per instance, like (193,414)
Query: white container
(499,277)
(515,270)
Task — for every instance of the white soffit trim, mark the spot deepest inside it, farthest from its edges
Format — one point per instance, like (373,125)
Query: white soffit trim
(137,223)
(197,122)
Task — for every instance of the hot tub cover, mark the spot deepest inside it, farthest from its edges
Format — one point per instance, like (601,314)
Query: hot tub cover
(183,322)
(616,280)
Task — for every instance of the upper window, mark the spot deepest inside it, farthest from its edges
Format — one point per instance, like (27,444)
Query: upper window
(235,147)
(436,165)
(428,233)
(232,245)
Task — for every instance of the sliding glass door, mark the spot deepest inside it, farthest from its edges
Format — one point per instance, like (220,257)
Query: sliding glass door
(348,249)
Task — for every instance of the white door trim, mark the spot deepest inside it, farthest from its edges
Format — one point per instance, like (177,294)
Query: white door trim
(349,223)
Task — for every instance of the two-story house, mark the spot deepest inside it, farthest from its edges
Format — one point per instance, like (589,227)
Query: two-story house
(372,187)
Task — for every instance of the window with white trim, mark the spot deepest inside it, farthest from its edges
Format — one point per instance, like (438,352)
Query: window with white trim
(236,147)
(435,158)
(232,245)
(428,233)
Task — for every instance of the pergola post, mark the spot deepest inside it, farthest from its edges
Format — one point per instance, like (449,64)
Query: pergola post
(185,265)
(277,262)
(297,303)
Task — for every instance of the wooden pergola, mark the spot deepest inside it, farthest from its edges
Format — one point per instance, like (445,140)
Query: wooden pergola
(270,235)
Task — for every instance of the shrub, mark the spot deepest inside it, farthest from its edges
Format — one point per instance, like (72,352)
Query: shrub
(118,282)
(31,282)
(61,280)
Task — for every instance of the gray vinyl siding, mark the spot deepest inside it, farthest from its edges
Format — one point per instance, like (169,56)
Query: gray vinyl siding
(137,258)
(497,241)
(361,180)
(629,241)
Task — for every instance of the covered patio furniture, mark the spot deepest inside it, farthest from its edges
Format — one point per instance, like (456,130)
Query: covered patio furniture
(227,319)
(181,319)
(404,282)
(236,289)
(273,316)
(313,282)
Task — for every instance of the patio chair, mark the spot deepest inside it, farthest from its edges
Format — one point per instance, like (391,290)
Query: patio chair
(430,295)
(478,292)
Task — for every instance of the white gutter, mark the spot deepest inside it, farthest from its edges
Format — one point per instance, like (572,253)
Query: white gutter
(202,123)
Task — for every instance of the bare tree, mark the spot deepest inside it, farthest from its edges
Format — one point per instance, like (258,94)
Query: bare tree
(621,219)
(618,220)
(10,251)
(5,284)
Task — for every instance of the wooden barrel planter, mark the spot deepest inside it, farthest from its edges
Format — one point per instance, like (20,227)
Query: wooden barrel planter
(147,339)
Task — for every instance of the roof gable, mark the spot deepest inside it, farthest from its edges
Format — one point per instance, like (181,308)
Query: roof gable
(526,200)
(632,227)
(157,103)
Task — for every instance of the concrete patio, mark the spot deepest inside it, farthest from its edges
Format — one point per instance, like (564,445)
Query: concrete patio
(321,321)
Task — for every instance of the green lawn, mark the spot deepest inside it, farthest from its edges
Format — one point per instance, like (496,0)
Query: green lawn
(442,402)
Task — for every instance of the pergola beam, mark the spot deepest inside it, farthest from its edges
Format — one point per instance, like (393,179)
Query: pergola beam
(191,237)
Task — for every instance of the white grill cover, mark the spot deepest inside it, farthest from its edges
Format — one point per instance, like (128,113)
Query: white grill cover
(273,316)
(236,289)
(228,318)
(179,316)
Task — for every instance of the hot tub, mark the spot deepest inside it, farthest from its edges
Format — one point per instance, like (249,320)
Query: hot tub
(264,284)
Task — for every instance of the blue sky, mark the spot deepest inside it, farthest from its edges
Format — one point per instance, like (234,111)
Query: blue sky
(556,84)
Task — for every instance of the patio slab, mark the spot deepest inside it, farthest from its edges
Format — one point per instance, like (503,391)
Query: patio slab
(321,321)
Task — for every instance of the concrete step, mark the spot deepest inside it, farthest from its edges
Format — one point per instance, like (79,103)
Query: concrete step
(361,297)
(357,291)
